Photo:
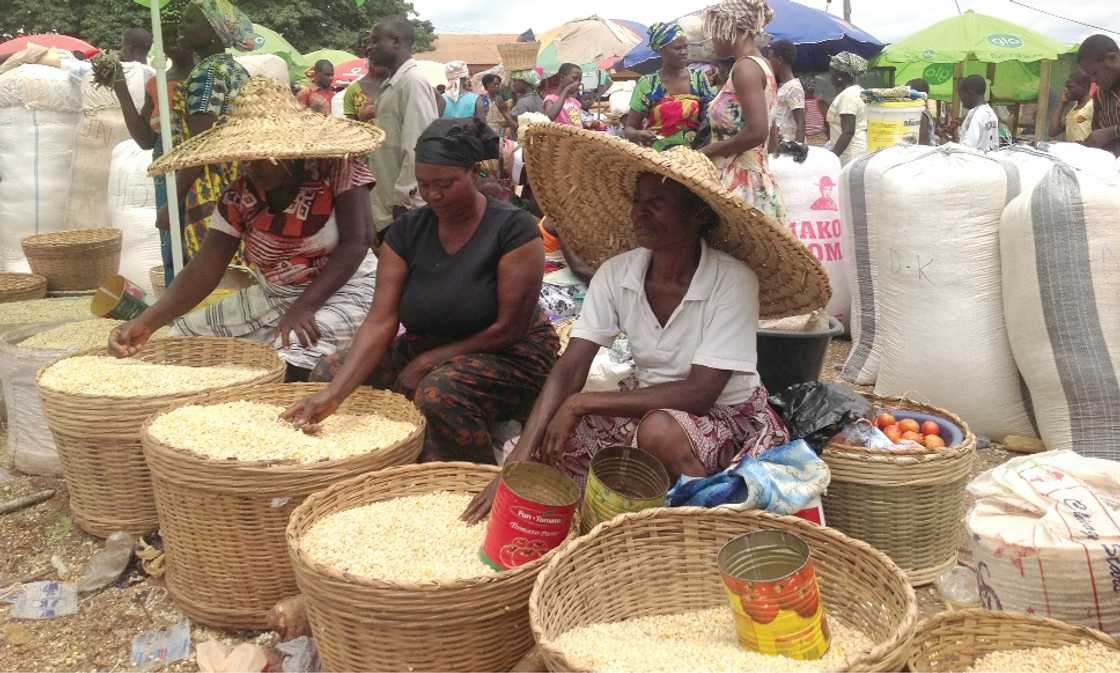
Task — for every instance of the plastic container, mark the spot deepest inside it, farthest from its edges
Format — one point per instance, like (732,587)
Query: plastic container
(532,514)
(622,480)
(893,123)
(786,358)
(950,432)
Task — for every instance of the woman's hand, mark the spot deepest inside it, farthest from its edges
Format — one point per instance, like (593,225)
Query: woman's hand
(641,137)
(479,508)
(127,339)
(559,429)
(301,320)
(368,112)
(411,375)
(309,412)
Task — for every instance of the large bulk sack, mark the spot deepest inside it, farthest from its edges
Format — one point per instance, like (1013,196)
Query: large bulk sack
(39,108)
(1045,538)
(1084,158)
(132,208)
(268,65)
(813,210)
(1061,291)
(31,446)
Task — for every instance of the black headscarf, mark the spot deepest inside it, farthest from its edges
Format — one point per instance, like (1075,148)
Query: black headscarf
(461,142)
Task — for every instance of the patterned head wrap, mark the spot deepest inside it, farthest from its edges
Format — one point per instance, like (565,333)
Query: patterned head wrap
(456,71)
(847,62)
(661,35)
(234,29)
(733,19)
(530,77)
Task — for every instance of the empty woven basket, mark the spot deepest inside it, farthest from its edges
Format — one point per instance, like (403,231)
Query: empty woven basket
(519,55)
(21,287)
(74,260)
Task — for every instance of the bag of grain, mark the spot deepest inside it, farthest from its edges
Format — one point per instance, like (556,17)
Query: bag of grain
(132,207)
(268,65)
(1045,538)
(39,108)
(1061,305)
(1085,158)
(809,193)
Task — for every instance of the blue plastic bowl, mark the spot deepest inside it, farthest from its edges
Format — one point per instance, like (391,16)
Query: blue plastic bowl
(950,432)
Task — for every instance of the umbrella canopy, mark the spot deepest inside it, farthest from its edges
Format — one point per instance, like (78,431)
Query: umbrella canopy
(355,69)
(63,42)
(268,41)
(589,43)
(817,34)
(975,40)
(335,56)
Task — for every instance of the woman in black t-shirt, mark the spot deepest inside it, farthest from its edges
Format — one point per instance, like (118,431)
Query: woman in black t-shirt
(462,275)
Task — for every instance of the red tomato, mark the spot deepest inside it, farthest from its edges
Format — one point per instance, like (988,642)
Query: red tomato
(934,442)
(913,437)
(909,425)
(884,421)
(893,433)
(931,428)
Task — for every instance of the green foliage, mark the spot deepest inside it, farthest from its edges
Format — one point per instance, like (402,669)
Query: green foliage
(308,25)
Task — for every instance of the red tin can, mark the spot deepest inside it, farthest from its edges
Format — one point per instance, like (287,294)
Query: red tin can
(532,514)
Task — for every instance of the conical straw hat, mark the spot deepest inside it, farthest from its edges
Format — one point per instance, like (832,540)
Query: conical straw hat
(268,123)
(584,182)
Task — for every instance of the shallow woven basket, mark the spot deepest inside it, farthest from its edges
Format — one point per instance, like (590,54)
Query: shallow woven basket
(98,438)
(234,278)
(477,624)
(663,561)
(953,641)
(519,55)
(21,287)
(74,260)
(909,504)
(209,509)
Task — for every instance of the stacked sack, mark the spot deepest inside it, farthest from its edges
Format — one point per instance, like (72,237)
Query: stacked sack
(927,317)
(132,209)
(39,110)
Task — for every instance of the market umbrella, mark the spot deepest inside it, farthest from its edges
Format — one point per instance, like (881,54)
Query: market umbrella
(588,43)
(335,56)
(64,42)
(268,41)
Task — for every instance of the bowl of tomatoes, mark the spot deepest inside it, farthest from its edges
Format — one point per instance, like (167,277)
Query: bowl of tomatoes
(932,432)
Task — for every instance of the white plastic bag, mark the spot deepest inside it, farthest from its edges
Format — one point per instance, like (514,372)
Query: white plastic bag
(132,208)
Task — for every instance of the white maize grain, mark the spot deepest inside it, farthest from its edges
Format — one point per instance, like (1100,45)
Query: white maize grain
(246,430)
(43,310)
(410,539)
(1069,659)
(701,640)
(108,376)
(78,335)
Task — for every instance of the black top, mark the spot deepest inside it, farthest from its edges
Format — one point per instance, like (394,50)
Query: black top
(455,296)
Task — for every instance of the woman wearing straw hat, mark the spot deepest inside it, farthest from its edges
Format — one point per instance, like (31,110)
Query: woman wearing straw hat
(685,270)
(462,274)
(740,113)
(302,210)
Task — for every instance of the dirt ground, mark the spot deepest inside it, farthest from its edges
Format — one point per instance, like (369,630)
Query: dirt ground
(99,637)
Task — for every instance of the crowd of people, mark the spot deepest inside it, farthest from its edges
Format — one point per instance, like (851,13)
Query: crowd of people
(386,256)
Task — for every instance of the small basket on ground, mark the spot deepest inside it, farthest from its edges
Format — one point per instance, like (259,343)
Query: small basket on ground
(476,624)
(22,286)
(223,522)
(98,437)
(519,55)
(74,260)
(953,641)
(906,503)
(663,561)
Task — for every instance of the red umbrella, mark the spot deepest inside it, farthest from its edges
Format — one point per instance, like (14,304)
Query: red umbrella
(64,42)
(350,71)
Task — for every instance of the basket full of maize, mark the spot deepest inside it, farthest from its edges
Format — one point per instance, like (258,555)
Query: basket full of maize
(96,404)
(227,474)
(644,591)
(74,260)
(419,596)
(986,640)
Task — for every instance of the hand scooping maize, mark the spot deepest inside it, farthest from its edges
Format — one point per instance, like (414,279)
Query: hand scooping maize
(410,539)
(111,377)
(79,335)
(1068,659)
(250,431)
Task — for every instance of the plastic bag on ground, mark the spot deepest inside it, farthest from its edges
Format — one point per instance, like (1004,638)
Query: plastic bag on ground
(215,657)
(44,600)
(817,411)
(108,564)
(153,649)
(300,655)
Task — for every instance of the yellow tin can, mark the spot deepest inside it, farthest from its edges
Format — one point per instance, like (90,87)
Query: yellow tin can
(621,480)
(772,586)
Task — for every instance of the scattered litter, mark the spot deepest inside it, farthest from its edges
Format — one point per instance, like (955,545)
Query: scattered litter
(25,501)
(957,587)
(60,567)
(300,655)
(288,618)
(152,649)
(152,560)
(982,441)
(44,600)
(215,657)
(108,564)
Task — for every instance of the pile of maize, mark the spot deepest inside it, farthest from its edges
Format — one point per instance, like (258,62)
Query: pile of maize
(1069,659)
(411,539)
(79,335)
(702,640)
(106,376)
(44,310)
(253,431)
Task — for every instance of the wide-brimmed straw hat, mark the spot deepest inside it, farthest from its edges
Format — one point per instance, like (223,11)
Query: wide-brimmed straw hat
(267,122)
(585,181)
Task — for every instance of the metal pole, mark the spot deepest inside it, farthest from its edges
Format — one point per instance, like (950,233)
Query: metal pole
(848,11)
(159,61)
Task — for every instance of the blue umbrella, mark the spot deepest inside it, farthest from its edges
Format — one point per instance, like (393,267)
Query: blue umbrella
(817,34)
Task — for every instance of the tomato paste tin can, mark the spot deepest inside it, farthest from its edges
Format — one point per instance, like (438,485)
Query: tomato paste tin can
(531,515)
(622,480)
(772,586)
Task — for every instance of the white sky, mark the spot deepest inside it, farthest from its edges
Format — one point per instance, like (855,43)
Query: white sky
(888,20)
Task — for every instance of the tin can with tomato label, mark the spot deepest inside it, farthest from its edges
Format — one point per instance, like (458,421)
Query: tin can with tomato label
(532,514)
(772,587)
(621,480)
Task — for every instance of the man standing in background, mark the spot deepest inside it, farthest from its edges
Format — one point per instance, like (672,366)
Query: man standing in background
(981,126)
(1074,117)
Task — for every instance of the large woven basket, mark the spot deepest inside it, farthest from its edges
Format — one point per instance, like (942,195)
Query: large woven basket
(663,561)
(908,504)
(224,522)
(74,260)
(477,624)
(519,55)
(953,641)
(21,287)
(98,438)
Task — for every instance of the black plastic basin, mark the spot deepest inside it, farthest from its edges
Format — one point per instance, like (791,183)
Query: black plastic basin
(786,358)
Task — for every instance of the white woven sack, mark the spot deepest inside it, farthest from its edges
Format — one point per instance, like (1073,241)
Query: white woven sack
(941,336)
(1083,158)
(809,191)
(1061,289)
(132,206)
(39,87)
(1045,538)
(268,65)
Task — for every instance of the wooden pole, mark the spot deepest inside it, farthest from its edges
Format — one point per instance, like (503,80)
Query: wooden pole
(1015,110)
(958,75)
(1042,115)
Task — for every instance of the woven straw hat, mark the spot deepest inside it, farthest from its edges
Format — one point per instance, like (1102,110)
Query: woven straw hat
(584,182)
(268,123)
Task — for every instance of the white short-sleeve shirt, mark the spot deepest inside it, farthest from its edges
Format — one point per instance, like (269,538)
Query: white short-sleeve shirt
(981,129)
(714,326)
(849,102)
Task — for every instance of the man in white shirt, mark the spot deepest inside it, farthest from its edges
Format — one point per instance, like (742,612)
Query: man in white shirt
(981,127)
